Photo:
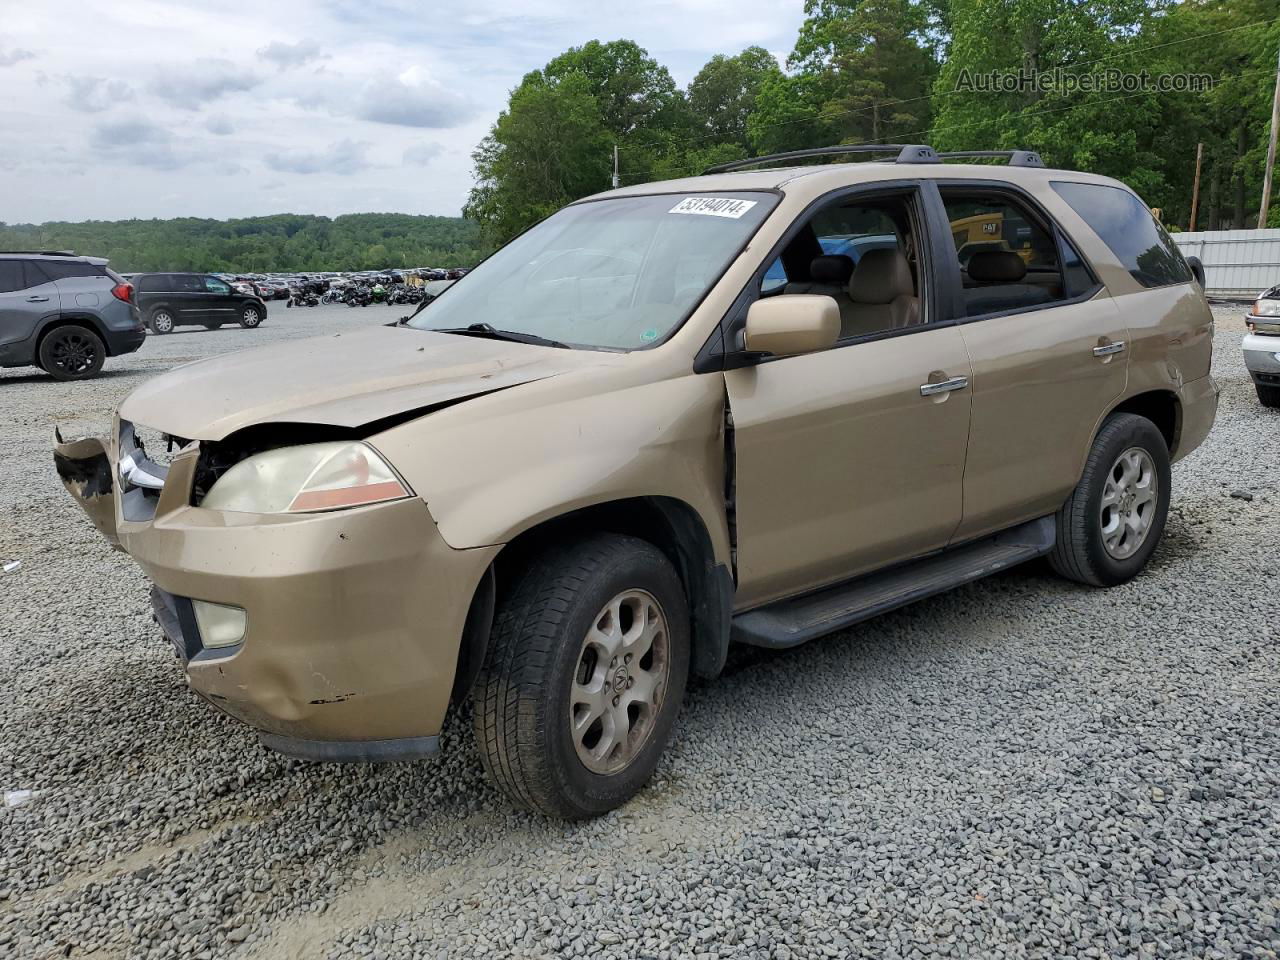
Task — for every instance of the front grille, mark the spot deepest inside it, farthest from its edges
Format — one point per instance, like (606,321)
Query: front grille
(1268,379)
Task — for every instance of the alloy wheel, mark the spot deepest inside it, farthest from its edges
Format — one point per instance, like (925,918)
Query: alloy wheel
(162,322)
(1130,498)
(74,353)
(619,682)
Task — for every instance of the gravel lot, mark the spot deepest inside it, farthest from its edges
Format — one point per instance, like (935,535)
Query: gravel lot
(1022,768)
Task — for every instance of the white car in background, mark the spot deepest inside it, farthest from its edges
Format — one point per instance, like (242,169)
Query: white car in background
(1262,346)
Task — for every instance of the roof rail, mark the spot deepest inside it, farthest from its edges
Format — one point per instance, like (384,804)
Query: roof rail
(1016,158)
(42,253)
(906,153)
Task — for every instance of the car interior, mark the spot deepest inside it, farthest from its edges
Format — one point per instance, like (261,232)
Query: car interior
(878,293)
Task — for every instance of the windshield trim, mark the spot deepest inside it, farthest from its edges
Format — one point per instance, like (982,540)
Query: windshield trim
(601,198)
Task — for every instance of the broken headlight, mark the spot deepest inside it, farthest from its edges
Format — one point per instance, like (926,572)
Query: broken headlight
(305,479)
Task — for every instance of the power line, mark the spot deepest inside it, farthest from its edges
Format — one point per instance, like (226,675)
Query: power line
(819,117)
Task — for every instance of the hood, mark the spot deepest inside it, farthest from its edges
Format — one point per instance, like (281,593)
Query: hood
(344,380)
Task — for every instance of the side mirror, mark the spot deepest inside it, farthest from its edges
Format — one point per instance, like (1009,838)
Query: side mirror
(791,324)
(1197,270)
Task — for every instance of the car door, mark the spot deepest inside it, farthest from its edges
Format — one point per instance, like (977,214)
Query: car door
(27,298)
(1048,347)
(221,303)
(852,458)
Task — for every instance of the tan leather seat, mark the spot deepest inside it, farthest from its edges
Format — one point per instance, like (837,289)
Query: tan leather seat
(883,295)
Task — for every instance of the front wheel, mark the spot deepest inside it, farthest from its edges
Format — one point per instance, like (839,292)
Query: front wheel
(72,353)
(1113,520)
(1268,396)
(250,317)
(584,676)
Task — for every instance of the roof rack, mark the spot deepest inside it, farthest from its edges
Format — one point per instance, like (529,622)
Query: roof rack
(906,153)
(42,253)
(1016,158)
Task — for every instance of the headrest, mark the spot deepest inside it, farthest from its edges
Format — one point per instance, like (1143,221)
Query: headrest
(832,268)
(997,266)
(881,276)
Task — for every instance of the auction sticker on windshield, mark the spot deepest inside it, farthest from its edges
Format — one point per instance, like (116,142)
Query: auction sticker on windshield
(713,206)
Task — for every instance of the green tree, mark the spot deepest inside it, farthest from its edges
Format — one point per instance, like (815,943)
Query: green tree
(723,95)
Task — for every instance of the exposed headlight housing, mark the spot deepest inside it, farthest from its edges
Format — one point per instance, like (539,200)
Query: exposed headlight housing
(306,479)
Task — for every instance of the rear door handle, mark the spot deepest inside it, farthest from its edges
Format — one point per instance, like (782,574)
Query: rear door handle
(37,299)
(1107,349)
(943,386)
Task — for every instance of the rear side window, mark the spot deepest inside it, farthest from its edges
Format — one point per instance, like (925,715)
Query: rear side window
(11,276)
(149,283)
(66,269)
(1129,230)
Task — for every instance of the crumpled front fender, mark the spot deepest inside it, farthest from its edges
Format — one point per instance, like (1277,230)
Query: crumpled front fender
(84,465)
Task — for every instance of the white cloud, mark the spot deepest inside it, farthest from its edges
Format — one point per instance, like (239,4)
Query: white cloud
(345,157)
(233,103)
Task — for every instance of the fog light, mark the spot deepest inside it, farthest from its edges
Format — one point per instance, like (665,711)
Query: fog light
(220,625)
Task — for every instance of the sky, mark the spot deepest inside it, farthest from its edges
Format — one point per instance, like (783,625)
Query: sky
(141,108)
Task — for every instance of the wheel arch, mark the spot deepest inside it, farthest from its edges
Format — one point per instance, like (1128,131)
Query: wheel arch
(1161,407)
(71,320)
(670,524)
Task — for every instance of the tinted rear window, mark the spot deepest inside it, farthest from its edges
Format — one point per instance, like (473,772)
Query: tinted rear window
(11,276)
(150,283)
(1129,229)
(66,269)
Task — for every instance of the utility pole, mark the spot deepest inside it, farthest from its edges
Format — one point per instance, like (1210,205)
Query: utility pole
(1195,190)
(616,182)
(1271,151)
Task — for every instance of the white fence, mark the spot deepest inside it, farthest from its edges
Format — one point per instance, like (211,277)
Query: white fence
(1238,264)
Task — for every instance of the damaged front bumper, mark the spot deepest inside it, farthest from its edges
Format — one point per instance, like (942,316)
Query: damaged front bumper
(353,618)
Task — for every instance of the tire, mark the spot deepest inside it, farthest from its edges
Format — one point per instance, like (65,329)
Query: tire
(72,353)
(250,316)
(1268,396)
(538,652)
(1085,550)
(161,320)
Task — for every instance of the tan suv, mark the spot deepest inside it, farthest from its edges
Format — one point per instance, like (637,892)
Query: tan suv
(752,406)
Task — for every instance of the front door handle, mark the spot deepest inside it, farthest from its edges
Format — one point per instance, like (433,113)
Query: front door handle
(943,386)
(1107,349)
(37,299)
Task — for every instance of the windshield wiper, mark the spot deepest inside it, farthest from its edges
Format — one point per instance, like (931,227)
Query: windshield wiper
(493,333)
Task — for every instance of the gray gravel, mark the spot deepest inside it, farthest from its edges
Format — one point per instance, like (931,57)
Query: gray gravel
(1022,768)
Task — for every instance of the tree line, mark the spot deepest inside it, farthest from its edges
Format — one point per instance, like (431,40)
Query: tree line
(868,71)
(286,242)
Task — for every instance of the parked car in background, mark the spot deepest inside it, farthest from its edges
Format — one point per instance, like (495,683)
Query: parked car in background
(1262,346)
(64,314)
(169,300)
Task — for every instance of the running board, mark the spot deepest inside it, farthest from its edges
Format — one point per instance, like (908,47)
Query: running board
(787,623)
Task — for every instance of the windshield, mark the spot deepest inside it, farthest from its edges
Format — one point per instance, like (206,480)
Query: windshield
(616,274)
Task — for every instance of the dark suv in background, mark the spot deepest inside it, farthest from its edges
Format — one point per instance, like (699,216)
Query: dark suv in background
(64,314)
(168,300)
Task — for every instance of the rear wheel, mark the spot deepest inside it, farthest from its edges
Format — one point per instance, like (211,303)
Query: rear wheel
(161,320)
(250,316)
(72,353)
(1268,396)
(1113,520)
(584,676)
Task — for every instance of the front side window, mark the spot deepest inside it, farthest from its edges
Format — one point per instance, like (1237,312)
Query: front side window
(621,273)
(862,253)
(214,285)
(1008,259)
(1127,227)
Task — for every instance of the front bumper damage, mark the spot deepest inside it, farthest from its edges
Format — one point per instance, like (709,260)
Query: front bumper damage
(1262,358)
(354,618)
